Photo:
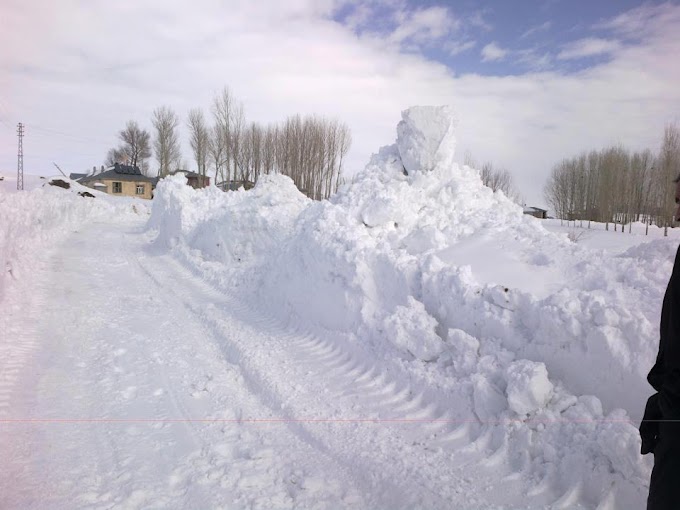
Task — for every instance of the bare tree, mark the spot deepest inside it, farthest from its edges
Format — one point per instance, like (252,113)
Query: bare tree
(116,155)
(223,115)
(669,169)
(495,179)
(217,151)
(235,143)
(641,165)
(615,185)
(135,147)
(311,150)
(269,144)
(199,138)
(592,178)
(556,190)
(166,142)
(344,144)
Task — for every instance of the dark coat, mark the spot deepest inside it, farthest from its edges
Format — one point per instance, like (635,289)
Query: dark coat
(659,431)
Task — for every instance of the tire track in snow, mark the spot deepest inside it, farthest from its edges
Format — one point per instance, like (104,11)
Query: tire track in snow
(323,460)
(119,456)
(259,386)
(454,448)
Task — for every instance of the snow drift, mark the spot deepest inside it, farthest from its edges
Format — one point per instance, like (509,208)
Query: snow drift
(32,225)
(31,222)
(447,281)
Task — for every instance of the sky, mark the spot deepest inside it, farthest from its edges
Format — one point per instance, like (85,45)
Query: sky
(532,82)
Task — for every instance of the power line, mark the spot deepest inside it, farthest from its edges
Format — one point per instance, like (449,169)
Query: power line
(68,135)
(5,113)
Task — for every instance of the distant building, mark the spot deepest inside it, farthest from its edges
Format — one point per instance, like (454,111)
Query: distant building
(536,212)
(124,180)
(234,185)
(194,180)
(76,177)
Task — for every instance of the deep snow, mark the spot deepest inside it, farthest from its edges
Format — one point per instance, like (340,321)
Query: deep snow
(420,341)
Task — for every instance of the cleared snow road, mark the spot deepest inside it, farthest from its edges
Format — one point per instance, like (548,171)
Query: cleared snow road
(135,406)
(148,388)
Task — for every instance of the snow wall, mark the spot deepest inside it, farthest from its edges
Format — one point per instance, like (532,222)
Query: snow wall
(375,260)
(32,222)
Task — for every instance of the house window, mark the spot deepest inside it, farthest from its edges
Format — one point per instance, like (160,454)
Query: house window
(140,189)
(117,187)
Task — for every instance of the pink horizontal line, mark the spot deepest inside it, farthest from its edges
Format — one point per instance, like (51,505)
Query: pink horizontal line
(300,420)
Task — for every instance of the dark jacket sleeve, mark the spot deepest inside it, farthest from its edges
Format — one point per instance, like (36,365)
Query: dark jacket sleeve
(669,347)
(649,428)
(665,374)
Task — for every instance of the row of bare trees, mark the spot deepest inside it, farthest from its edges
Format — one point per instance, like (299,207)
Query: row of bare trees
(311,150)
(498,179)
(614,185)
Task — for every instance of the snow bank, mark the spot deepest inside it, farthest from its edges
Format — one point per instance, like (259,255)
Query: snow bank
(31,222)
(426,265)
(237,229)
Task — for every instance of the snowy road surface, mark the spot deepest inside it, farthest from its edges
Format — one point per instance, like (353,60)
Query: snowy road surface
(152,389)
(413,342)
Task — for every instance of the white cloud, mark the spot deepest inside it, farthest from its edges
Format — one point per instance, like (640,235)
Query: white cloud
(492,52)
(477,20)
(588,47)
(85,68)
(641,21)
(544,27)
(360,17)
(423,26)
(533,59)
(454,48)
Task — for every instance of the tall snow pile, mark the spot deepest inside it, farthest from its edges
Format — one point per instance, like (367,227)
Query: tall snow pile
(450,282)
(238,229)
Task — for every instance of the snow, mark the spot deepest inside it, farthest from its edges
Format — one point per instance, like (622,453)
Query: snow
(415,341)
(426,138)
(528,387)
(8,182)
(31,222)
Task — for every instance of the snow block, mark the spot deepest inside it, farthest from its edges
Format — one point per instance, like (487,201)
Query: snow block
(528,387)
(426,137)
(412,329)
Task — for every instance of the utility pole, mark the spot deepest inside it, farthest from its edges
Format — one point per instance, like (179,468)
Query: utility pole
(62,172)
(20,157)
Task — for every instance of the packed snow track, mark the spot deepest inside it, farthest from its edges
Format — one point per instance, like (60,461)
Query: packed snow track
(153,389)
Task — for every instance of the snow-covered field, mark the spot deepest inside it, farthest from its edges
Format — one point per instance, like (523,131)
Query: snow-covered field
(414,342)
(8,182)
